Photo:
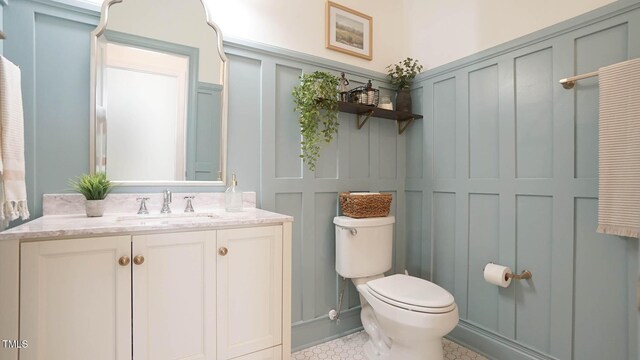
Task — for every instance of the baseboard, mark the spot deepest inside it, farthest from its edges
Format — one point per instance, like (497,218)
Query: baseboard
(312,332)
(485,342)
(306,334)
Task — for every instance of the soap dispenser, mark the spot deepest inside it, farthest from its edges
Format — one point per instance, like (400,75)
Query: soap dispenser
(233,196)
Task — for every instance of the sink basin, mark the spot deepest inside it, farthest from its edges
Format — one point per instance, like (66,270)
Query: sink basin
(159,219)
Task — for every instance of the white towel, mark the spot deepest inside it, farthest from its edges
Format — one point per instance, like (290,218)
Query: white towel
(619,187)
(13,190)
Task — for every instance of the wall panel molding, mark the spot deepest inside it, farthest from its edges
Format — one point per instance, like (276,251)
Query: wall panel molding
(369,159)
(492,345)
(525,189)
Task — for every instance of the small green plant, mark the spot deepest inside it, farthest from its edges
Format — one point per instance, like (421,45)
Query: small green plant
(92,186)
(316,99)
(402,74)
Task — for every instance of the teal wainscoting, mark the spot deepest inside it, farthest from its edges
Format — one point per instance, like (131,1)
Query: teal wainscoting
(264,148)
(506,170)
(3,3)
(203,139)
(51,44)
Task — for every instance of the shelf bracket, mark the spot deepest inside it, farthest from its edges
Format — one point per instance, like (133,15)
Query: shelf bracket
(401,127)
(361,122)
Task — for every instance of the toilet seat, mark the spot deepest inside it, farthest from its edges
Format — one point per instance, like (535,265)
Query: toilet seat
(411,293)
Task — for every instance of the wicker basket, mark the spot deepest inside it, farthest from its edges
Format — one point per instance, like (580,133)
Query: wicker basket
(360,95)
(365,206)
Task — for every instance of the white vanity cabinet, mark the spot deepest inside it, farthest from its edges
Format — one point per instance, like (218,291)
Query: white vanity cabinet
(249,290)
(174,295)
(206,294)
(75,299)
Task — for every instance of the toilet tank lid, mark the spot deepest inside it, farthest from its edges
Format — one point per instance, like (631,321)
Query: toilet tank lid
(352,222)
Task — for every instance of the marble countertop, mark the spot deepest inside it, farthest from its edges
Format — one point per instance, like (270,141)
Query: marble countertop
(74,225)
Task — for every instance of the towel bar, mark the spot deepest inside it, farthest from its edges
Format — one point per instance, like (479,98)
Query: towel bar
(570,82)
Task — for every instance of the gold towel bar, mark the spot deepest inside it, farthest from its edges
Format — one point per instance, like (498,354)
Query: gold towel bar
(570,82)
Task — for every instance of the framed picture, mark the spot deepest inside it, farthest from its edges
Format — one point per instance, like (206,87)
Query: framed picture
(349,31)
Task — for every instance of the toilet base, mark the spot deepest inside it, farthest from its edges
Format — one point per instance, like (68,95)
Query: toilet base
(399,334)
(428,351)
(411,344)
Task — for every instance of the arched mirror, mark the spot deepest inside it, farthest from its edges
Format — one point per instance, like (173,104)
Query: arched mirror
(159,94)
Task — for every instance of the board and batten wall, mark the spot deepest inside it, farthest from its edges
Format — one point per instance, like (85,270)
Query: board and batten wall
(505,170)
(267,144)
(491,174)
(50,42)
(3,3)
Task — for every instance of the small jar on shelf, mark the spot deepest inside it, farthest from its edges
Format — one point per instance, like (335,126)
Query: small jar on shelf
(385,102)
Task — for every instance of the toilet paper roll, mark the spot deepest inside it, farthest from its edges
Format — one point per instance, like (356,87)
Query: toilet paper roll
(497,275)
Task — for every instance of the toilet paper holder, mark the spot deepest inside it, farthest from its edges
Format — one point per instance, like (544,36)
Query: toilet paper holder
(524,275)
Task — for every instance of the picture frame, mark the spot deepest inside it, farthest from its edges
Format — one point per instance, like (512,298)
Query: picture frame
(349,31)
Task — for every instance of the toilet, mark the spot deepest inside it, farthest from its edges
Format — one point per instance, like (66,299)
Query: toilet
(404,316)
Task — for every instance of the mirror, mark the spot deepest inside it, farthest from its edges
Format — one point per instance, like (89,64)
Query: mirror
(159,94)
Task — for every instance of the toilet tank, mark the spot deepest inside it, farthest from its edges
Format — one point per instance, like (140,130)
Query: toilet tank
(364,247)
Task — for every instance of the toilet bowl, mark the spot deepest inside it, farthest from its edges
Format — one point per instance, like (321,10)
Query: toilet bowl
(408,329)
(404,316)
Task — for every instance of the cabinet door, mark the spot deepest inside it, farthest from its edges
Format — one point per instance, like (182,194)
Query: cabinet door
(274,353)
(75,299)
(174,296)
(249,290)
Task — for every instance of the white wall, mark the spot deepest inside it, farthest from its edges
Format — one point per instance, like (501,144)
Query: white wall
(447,30)
(435,31)
(300,25)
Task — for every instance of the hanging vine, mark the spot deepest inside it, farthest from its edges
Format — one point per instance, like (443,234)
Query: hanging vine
(316,100)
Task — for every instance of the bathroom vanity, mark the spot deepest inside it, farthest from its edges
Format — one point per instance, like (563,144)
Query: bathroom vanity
(206,285)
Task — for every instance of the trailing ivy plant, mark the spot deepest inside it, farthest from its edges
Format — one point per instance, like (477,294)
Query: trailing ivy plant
(316,99)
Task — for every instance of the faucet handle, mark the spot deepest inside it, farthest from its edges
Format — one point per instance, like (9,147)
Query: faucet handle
(189,207)
(143,205)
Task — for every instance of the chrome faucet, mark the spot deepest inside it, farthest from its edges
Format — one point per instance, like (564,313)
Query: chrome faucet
(165,203)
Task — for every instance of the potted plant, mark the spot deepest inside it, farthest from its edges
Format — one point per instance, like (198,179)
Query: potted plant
(95,188)
(316,99)
(401,76)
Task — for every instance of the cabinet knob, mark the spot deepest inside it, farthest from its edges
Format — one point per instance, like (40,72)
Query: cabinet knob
(124,261)
(223,251)
(138,259)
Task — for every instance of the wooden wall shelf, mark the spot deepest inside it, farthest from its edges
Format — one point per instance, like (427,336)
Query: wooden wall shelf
(364,112)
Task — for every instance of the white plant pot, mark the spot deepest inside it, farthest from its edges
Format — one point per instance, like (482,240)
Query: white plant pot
(94,208)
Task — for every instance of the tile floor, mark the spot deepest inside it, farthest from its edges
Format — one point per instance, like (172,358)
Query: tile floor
(350,348)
